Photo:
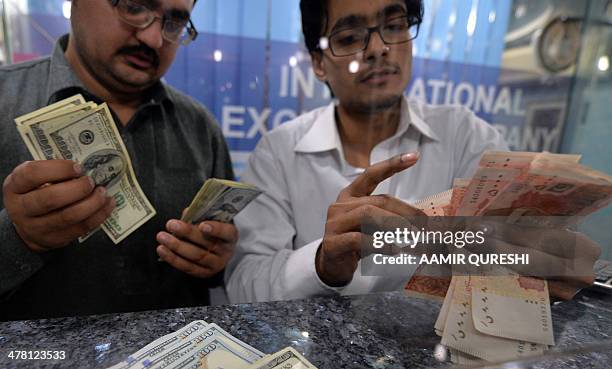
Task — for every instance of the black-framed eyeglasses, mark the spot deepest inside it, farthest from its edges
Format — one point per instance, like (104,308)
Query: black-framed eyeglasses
(140,16)
(354,40)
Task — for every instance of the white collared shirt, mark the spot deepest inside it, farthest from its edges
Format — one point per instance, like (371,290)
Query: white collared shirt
(300,166)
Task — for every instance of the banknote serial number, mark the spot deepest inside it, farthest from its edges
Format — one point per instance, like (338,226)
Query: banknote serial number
(36,355)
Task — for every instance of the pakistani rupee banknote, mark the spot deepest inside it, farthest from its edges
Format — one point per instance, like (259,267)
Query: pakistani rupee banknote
(492,318)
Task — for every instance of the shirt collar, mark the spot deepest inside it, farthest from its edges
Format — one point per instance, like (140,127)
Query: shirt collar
(64,83)
(323,134)
(412,115)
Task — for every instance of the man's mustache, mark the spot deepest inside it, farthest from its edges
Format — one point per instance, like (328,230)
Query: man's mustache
(141,49)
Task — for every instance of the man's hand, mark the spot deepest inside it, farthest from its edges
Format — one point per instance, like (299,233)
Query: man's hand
(51,204)
(340,251)
(563,257)
(199,250)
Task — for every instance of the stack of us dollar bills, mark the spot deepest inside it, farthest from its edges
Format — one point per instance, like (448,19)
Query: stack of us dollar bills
(219,200)
(201,345)
(85,132)
(507,316)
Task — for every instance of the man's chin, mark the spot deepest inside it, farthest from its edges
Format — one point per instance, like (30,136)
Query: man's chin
(135,78)
(377,104)
(135,82)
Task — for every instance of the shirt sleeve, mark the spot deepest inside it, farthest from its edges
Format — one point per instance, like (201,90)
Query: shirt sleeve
(265,266)
(474,137)
(17,262)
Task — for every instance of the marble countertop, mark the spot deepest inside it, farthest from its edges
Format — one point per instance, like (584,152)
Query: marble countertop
(387,330)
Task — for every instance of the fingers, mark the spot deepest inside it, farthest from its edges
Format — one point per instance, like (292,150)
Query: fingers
(337,258)
(562,290)
(91,223)
(558,242)
(544,265)
(367,182)
(191,258)
(184,265)
(218,238)
(184,249)
(78,212)
(62,235)
(342,244)
(189,249)
(352,220)
(226,232)
(49,198)
(33,174)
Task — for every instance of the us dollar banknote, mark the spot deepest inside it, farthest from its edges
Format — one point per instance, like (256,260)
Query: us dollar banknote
(220,200)
(86,133)
(48,112)
(201,345)
(285,358)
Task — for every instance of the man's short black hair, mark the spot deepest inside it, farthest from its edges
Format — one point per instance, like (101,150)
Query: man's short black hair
(314,19)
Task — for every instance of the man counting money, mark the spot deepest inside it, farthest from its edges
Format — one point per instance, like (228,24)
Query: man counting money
(116,53)
(327,169)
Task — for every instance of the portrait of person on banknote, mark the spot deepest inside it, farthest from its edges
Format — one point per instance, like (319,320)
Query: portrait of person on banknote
(105,167)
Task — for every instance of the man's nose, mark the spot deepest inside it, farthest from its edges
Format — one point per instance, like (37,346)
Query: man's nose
(376,47)
(152,35)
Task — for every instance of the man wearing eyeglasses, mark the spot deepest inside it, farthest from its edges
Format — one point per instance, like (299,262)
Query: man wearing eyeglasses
(325,171)
(117,52)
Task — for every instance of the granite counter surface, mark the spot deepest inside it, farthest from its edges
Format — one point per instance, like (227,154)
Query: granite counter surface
(387,330)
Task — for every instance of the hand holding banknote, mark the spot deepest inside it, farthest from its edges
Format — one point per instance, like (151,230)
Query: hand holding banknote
(201,250)
(203,241)
(84,133)
(564,257)
(530,200)
(51,203)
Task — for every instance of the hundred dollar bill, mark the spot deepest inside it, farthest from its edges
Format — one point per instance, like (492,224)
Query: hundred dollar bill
(210,353)
(179,346)
(49,112)
(285,358)
(37,114)
(64,110)
(161,346)
(514,307)
(51,121)
(219,200)
(92,140)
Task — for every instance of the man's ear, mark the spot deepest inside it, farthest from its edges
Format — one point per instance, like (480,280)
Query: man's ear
(317,65)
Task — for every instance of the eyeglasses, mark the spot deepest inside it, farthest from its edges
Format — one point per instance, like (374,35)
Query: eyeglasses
(140,16)
(394,31)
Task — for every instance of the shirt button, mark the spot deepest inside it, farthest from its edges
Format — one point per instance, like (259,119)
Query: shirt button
(26,268)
